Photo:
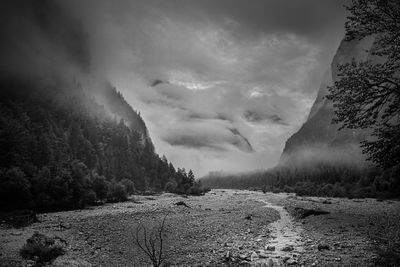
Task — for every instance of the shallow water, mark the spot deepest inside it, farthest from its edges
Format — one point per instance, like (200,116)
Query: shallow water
(284,233)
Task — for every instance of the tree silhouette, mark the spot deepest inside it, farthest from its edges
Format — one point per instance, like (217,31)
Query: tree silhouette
(367,94)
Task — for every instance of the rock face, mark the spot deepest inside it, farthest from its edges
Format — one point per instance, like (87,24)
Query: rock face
(318,139)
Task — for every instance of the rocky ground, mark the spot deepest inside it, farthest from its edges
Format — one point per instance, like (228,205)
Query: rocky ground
(222,228)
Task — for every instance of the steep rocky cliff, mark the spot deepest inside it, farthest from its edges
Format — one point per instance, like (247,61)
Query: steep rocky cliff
(318,139)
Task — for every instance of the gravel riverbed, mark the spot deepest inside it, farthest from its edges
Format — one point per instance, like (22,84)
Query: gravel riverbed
(222,228)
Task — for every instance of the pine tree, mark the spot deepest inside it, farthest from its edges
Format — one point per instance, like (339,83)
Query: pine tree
(191,178)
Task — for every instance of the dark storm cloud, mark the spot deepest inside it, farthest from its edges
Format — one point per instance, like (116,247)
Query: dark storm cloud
(41,38)
(64,30)
(209,142)
(246,19)
(192,115)
(254,116)
(157,82)
(243,142)
(192,67)
(305,17)
(195,142)
(219,139)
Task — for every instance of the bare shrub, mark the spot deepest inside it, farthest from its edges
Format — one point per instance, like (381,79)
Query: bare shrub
(150,241)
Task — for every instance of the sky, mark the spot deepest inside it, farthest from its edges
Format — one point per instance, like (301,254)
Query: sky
(221,84)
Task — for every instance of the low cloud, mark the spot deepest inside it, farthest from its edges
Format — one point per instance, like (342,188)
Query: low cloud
(255,117)
(220,84)
(208,135)
(42,40)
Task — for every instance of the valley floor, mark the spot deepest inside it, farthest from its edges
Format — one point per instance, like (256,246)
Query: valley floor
(222,228)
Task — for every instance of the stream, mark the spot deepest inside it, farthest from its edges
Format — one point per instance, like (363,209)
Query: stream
(285,243)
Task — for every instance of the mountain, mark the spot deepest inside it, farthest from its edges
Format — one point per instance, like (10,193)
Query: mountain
(115,103)
(318,139)
(61,148)
(67,138)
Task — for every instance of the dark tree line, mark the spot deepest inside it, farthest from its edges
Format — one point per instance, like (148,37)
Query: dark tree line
(322,179)
(59,149)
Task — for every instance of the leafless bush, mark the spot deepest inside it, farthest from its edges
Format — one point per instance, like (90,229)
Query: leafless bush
(387,238)
(150,241)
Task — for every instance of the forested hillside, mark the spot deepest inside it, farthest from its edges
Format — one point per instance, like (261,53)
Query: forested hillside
(315,180)
(60,149)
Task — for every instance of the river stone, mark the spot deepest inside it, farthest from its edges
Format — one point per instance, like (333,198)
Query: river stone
(323,247)
(287,248)
(270,248)
(262,255)
(67,261)
(253,256)
(291,261)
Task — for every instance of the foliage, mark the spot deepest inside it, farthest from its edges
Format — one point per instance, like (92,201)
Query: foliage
(61,150)
(387,240)
(41,248)
(198,189)
(116,192)
(367,94)
(329,180)
(19,218)
(14,187)
(100,186)
(129,186)
(185,183)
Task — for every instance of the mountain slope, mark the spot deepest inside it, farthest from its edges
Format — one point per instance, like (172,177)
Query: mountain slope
(318,139)
(57,144)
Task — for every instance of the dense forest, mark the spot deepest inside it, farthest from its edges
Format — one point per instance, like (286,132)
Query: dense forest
(323,179)
(60,149)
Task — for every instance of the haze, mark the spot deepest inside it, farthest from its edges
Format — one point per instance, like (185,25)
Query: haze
(220,84)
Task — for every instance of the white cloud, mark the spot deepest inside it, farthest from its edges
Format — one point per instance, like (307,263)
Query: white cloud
(214,70)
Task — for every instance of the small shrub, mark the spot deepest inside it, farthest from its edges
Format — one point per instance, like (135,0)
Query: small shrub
(363,192)
(326,190)
(197,189)
(265,189)
(387,257)
(287,189)
(171,186)
(338,190)
(129,186)
(19,218)
(41,248)
(100,186)
(14,189)
(117,192)
(305,188)
(90,197)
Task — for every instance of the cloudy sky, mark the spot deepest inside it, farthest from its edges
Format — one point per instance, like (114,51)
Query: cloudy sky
(221,84)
